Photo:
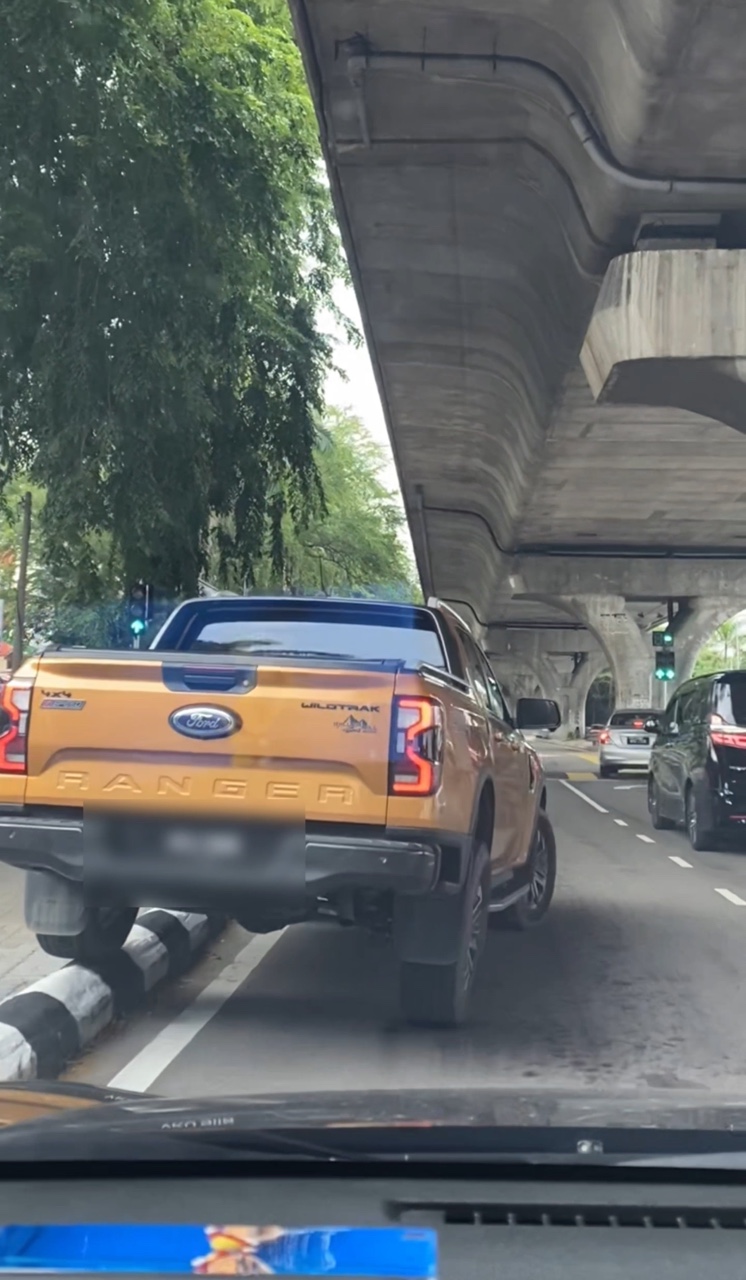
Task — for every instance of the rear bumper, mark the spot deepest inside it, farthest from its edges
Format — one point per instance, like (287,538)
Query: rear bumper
(318,864)
(625,757)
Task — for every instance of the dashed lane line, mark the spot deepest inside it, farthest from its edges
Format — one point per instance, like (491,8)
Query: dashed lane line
(731,897)
(583,777)
(598,807)
(672,857)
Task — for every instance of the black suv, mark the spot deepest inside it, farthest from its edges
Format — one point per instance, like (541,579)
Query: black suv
(698,763)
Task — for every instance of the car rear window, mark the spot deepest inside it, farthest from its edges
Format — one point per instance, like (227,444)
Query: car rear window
(730,698)
(310,628)
(630,719)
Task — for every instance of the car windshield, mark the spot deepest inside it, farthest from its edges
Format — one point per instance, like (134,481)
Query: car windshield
(372,576)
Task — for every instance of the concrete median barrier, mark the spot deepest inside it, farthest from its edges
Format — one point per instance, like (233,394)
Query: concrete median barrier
(49,1023)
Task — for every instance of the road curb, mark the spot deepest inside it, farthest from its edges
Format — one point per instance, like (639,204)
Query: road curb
(44,1027)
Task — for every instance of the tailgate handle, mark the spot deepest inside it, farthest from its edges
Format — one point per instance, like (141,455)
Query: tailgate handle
(209,679)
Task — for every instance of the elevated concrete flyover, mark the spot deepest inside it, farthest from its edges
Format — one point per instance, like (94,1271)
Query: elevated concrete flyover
(543,204)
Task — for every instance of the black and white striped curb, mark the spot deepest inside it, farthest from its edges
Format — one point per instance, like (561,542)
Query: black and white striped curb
(47,1025)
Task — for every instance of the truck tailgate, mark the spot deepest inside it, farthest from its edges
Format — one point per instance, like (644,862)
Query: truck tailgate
(311,738)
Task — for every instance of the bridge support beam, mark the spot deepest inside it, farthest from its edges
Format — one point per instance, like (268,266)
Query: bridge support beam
(693,625)
(669,329)
(559,664)
(629,652)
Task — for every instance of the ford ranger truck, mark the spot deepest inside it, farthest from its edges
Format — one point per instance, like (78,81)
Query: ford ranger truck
(277,761)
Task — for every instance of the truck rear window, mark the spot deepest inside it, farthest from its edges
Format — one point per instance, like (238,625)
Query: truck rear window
(312,628)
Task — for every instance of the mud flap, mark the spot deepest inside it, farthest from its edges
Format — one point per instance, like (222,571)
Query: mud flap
(53,905)
(427,930)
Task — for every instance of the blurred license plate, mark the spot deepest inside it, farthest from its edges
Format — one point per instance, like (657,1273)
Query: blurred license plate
(638,742)
(196,842)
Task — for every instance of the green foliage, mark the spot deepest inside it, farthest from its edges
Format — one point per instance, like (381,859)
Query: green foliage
(80,605)
(166,248)
(723,651)
(350,542)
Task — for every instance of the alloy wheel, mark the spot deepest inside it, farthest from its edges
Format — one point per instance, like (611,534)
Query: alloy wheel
(472,951)
(539,872)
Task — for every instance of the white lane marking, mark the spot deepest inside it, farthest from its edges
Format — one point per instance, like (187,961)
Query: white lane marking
(153,1060)
(631,786)
(680,862)
(583,796)
(645,839)
(731,897)
(620,822)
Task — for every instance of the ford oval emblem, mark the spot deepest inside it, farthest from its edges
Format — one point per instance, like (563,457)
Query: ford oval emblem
(204,722)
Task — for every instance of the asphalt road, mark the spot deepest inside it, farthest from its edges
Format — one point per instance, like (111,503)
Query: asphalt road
(635,982)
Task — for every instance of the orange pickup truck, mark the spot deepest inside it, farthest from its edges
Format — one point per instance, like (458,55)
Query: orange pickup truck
(278,761)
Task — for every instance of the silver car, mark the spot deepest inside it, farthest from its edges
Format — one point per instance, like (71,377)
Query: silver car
(627,741)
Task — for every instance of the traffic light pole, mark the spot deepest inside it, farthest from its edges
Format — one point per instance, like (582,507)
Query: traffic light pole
(20,619)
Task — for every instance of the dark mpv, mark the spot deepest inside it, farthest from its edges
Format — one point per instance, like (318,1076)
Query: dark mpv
(698,763)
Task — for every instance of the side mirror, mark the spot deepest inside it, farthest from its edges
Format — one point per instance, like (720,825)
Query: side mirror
(537,713)
(652,726)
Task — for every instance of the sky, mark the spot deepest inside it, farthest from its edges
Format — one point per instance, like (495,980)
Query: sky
(359,392)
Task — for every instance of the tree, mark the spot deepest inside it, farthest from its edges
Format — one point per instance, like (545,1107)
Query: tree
(722,651)
(79,603)
(166,248)
(352,539)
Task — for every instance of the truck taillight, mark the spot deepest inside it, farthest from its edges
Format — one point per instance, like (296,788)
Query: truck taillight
(15,701)
(416,747)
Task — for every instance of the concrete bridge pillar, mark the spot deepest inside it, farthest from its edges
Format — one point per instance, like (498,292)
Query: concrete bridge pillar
(692,627)
(516,681)
(629,652)
(558,665)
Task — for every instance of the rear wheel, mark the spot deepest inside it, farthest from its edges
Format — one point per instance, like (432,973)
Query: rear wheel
(530,911)
(438,994)
(105,932)
(701,838)
(658,822)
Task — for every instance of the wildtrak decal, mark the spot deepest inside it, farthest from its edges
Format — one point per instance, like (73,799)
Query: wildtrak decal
(340,706)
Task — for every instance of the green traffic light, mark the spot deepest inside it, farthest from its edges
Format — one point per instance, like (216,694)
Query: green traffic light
(137,626)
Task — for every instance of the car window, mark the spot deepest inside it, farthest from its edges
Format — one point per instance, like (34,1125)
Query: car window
(671,714)
(729,700)
(475,673)
(499,705)
(689,705)
(260,628)
(630,719)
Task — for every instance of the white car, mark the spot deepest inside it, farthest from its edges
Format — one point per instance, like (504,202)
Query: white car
(627,741)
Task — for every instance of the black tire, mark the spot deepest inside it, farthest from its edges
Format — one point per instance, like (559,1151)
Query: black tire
(106,931)
(261,924)
(700,838)
(528,912)
(657,821)
(437,995)
(606,771)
